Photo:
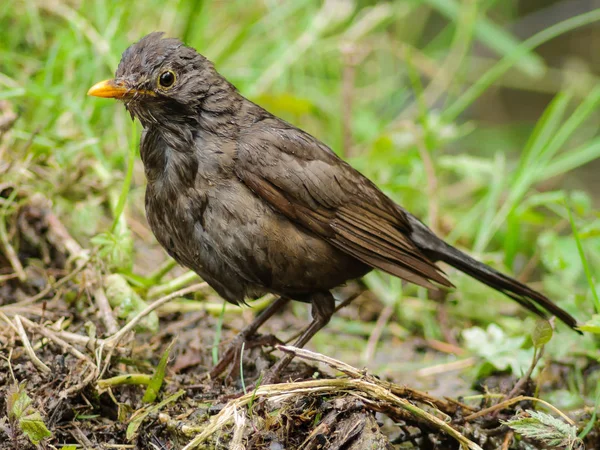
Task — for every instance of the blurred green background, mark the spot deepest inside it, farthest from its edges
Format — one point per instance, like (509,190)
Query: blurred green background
(480,116)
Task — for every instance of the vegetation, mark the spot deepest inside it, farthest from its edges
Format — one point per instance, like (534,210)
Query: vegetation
(413,93)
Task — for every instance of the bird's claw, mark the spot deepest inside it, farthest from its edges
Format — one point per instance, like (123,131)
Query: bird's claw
(233,355)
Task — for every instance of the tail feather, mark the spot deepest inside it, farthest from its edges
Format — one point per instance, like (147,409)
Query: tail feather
(532,300)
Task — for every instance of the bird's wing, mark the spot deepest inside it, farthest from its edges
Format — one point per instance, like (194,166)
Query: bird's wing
(305,181)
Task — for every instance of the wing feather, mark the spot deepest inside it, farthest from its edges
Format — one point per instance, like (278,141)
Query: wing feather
(303,179)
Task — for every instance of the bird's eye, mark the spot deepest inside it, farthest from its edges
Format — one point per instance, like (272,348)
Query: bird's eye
(166,79)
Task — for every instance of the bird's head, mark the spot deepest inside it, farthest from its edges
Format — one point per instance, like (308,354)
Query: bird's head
(161,81)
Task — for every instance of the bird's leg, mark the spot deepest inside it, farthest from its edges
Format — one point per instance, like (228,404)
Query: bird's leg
(232,355)
(323,307)
(339,306)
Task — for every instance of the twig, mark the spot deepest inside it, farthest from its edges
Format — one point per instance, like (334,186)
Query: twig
(8,322)
(519,384)
(349,300)
(50,334)
(50,287)
(444,347)
(9,276)
(8,360)
(278,392)
(28,348)
(507,440)
(353,372)
(460,364)
(59,237)
(382,320)
(29,310)
(79,386)
(106,313)
(512,401)
(69,348)
(115,339)
(81,438)
(88,342)
(336,364)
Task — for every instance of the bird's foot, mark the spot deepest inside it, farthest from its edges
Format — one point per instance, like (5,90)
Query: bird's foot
(232,357)
(273,375)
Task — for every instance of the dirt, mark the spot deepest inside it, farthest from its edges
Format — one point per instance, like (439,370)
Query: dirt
(59,299)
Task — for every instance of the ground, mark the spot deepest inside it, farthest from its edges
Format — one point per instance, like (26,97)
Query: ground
(480,117)
(87,384)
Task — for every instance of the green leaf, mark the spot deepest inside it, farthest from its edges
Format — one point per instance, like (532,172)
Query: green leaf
(543,427)
(128,303)
(542,333)
(592,325)
(17,402)
(30,421)
(32,426)
(158,377)
(500,350)
(141,414)
(116,248)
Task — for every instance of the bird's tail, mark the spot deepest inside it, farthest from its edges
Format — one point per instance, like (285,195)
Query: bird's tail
(438,250)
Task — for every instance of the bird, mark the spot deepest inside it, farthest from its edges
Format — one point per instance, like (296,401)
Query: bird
(255,205)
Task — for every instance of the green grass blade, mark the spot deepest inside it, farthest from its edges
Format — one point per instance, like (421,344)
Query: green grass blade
(572,160)
(492,75)
(127,182)
(217,341)
(493,36)
(584,262)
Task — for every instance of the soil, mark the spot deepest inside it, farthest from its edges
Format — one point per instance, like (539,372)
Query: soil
(55,314)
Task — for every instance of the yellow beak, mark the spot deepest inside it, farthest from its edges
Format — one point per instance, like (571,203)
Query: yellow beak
(116,88)
(110,89)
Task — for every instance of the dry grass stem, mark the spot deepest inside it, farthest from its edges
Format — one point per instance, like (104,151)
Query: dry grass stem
(279,392)
(512,401)
(50,287)
(52,335)
(375,336)
(106,313)
(9,250)
(353,372)
(113,341)
(447,367)
(116,338)
(28,348)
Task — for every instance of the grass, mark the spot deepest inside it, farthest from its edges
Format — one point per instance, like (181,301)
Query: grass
(399,88)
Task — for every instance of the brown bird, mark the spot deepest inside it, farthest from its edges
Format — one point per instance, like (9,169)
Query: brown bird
(255,205)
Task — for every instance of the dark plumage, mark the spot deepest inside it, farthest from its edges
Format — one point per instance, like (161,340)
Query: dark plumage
(256,205)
